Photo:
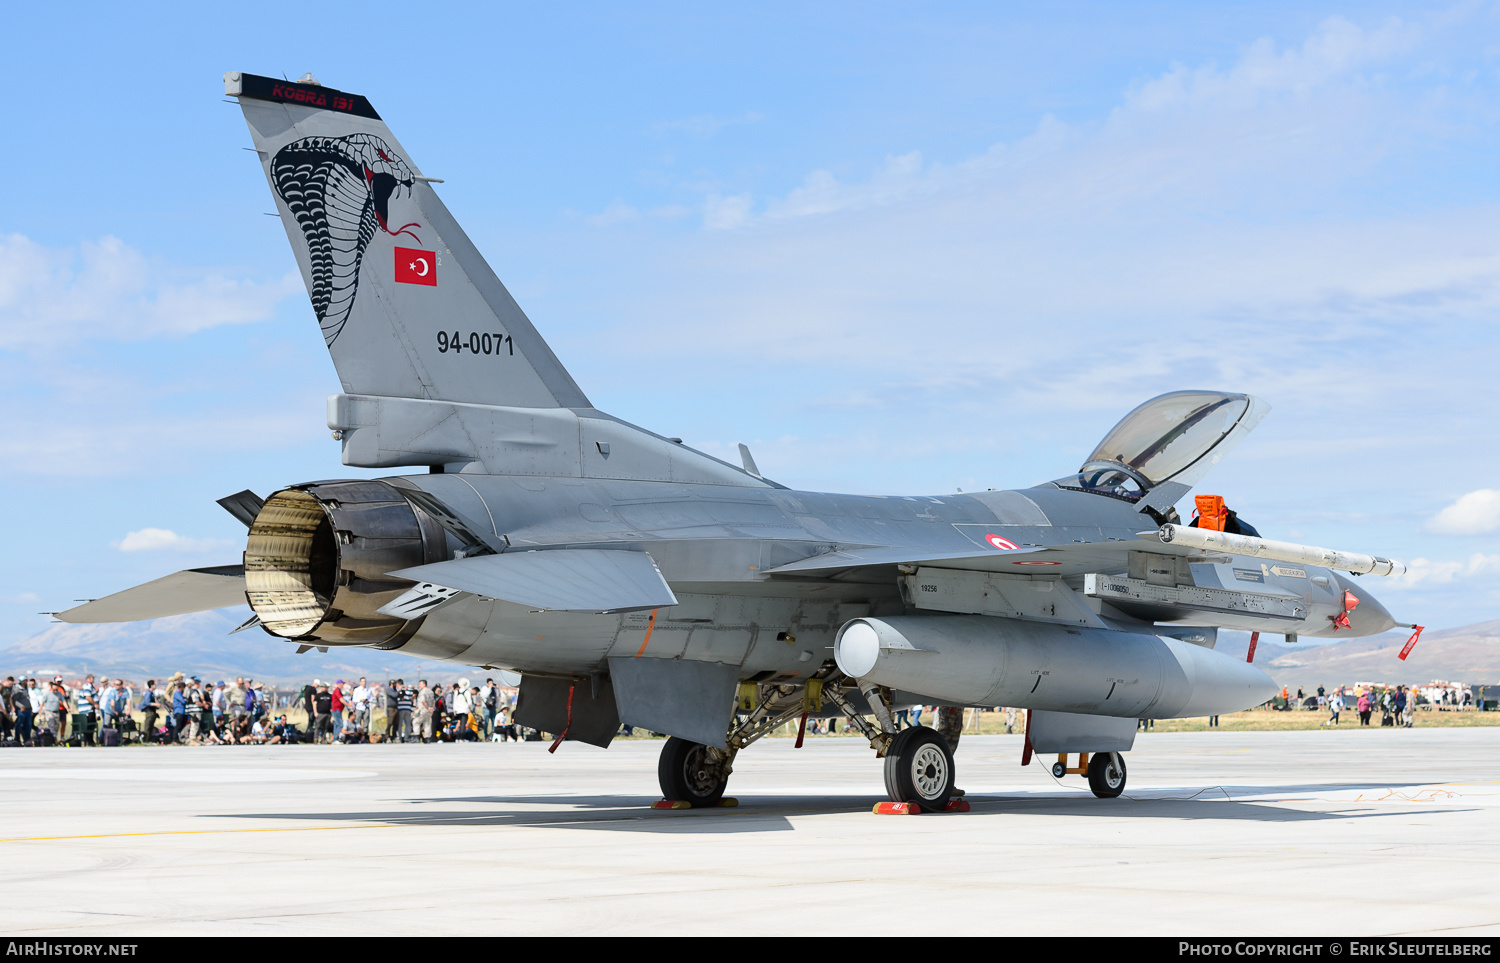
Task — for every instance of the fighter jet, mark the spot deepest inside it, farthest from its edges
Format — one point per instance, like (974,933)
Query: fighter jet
(631,579)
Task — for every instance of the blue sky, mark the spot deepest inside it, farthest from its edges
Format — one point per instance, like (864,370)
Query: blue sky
(893,247)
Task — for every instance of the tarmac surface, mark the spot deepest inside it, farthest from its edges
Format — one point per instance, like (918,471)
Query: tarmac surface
(1348,833)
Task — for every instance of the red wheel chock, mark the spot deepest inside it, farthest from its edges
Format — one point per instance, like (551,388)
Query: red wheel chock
(912,809)
(727,802)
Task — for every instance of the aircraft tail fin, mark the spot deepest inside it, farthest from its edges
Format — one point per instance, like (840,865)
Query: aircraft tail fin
(408,306)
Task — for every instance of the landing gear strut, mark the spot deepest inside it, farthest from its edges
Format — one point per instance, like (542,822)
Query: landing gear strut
(918,761)
(697,774)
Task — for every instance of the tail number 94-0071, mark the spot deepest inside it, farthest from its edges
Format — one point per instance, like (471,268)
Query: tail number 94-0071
(475,342)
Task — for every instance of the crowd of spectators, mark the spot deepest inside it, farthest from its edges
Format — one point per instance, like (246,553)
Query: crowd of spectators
(186,710)
(1395,705)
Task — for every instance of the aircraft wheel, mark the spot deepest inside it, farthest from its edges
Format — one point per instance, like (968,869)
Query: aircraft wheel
(686,773)
(919,769)
(1107,774)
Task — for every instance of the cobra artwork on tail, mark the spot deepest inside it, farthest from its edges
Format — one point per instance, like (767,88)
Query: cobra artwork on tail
(339,189)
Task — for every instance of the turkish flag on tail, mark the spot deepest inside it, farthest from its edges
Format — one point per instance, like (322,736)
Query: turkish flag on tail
(416,267)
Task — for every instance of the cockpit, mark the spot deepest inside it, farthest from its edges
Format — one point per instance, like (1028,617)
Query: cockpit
(1175,437)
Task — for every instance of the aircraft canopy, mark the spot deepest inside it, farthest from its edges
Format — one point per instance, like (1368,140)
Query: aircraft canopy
(1177,436)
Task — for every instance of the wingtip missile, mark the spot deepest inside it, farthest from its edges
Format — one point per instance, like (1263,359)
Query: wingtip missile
(1206,540)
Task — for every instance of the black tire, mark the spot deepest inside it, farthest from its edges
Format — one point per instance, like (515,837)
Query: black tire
(1107,774)
(919,769)
(684,775)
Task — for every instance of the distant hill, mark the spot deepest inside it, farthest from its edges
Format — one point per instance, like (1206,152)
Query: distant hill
(201,645)
(1470,655)
(198,644)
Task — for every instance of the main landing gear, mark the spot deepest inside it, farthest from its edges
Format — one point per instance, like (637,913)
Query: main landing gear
(919,769)
(919,766)
(692,772)
(696,774)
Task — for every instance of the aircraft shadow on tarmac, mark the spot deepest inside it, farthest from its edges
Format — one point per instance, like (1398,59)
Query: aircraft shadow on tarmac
(771,813)
(624,814)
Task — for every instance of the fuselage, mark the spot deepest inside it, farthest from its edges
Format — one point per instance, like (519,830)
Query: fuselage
(719,548)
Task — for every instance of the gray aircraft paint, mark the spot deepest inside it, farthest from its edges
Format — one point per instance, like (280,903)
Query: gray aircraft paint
(440,369)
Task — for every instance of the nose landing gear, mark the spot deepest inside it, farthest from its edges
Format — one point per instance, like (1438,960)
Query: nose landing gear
(1106,771)
(1107,774)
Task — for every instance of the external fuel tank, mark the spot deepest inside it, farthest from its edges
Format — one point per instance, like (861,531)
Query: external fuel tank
(980,660)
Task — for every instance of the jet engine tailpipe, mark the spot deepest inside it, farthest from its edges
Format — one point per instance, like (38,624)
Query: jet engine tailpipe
(317,558)
(1212,541)
(980,660)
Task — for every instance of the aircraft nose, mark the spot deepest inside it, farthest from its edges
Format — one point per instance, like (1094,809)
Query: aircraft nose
(1369,617)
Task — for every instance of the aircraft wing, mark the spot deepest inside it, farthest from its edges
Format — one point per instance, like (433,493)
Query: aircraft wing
(193,590)
(560,580)
(856,558)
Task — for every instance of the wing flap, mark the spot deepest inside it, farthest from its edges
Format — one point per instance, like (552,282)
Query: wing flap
(561,580)
(193,590)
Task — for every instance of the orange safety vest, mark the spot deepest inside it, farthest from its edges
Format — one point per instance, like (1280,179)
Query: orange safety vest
(1212,515)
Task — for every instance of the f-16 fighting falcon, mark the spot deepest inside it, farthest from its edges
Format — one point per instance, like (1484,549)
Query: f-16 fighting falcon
(630,579)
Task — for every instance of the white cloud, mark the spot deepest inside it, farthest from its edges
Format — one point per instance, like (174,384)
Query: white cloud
(1476,513)
(1272,111)
(164,540)
(128,439)
(1426,572)
(1336,50)
(107,289)
(103,409)
(1275,116)
(618,212)
(822,193)
(1210,230)
(724,213)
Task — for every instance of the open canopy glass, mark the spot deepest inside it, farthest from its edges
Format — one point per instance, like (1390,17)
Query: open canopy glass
(1160,441)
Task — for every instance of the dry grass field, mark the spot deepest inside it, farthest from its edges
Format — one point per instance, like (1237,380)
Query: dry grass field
(1251,720)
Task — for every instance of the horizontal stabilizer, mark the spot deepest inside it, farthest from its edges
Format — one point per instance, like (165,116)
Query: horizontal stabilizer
(194,590)
(243,505)
(561,580)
